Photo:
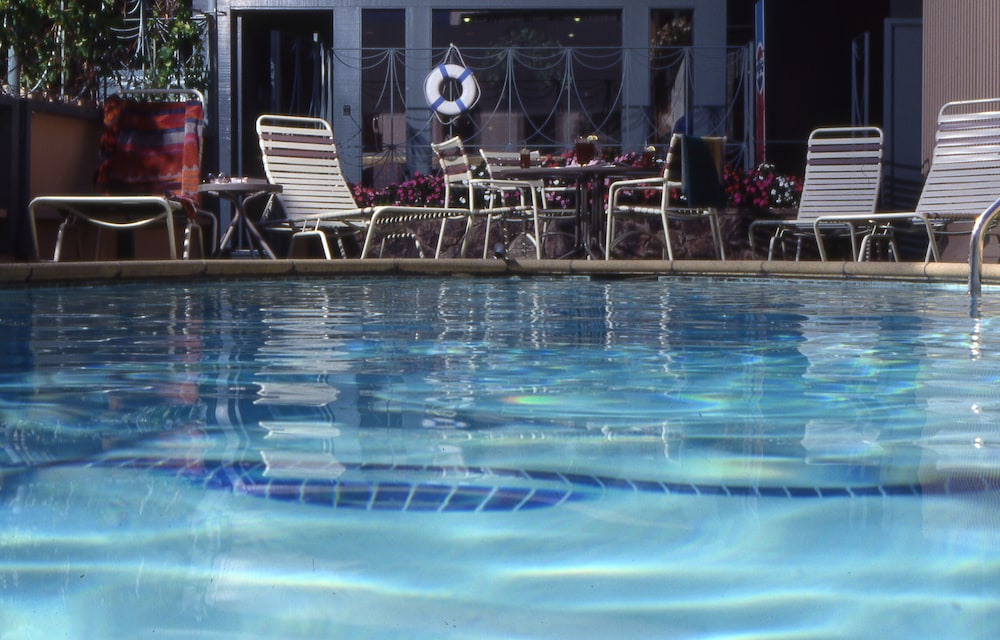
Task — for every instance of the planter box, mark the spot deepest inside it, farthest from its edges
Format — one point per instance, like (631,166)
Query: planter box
(48,148)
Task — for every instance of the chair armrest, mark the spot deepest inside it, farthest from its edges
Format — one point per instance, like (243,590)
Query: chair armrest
(638,182)
(523,187)
(644,184)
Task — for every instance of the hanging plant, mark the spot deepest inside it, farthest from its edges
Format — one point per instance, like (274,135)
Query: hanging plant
(58,46)
(67,49)
(162,44)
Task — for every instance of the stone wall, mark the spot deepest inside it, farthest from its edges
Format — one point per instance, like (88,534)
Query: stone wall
(690,240)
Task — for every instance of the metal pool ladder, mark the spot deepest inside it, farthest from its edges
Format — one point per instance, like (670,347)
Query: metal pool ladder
(983,223)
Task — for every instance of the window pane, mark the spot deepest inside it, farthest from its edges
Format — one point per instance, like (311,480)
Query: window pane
(383,111)
(670,36)
(544,76)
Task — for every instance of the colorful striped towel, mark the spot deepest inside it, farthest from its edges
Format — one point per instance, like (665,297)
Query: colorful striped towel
(152,148)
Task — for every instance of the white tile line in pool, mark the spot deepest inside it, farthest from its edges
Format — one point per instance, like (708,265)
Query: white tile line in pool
(488,489)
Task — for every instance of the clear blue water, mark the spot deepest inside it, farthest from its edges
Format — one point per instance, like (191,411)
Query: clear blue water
(492,458)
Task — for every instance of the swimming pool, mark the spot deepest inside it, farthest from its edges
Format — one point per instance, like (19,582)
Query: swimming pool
(499,458)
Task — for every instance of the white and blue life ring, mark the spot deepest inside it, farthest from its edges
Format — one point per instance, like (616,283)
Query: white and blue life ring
(437,77)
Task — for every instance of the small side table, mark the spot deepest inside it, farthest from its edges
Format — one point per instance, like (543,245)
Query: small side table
(238,191)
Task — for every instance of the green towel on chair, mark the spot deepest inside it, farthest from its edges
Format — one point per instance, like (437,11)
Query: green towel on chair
(701,182)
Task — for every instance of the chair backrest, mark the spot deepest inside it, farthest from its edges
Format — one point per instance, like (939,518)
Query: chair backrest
(502,159)
(457,171)
(299,154)
(964,176)
(695,164)
(151,147)
(843,172)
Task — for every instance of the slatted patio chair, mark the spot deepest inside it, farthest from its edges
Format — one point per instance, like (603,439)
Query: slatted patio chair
(549,193)
(300,155)
(963,180)
(506,202)
(693,170)
(842,179)
(149,171)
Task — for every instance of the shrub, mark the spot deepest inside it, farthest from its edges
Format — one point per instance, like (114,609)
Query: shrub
(761,188)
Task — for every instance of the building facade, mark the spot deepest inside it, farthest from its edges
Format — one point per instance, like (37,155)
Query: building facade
(630,71)
(961,57)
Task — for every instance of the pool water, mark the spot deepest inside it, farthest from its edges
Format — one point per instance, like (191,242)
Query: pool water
(499,458)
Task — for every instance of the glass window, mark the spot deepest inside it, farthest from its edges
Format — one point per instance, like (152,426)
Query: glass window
(383,106)
(545,76)
(670,40)
(527,28)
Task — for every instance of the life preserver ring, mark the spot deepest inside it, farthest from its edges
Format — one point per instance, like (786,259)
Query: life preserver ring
(437,77)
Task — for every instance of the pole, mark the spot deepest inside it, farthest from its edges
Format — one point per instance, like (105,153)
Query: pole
(760,129)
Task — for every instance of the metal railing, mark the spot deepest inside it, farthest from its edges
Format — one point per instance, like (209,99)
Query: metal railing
(976,242)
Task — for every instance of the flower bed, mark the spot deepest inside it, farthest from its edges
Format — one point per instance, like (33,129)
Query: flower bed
(748,194)
(758,189)
(762,188)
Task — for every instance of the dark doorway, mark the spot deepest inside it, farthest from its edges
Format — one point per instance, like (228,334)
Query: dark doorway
(282,67)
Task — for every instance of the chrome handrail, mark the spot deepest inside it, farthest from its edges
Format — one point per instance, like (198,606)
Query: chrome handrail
(983,223)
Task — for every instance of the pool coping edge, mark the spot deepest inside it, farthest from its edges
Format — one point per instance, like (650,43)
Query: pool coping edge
(80,272)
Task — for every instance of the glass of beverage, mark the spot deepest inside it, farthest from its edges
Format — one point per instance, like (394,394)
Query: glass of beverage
(585,150)
(646,160)
(525,158)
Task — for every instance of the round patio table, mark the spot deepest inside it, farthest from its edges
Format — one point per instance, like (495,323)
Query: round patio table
(238,191)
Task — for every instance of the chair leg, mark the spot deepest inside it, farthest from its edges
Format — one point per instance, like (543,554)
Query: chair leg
(854,241)
(529,230)
(538,235)
(440,242)
(502,222)
(189,231)
(486,237)
(893,247)
(308,234)
(213,224)
(864,253)
(60,234)
(771,243)
(468,234)
(720,249)
(608,240)
(666,237)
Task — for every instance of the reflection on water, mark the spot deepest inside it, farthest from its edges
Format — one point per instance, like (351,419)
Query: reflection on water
(709,429)
(737,385)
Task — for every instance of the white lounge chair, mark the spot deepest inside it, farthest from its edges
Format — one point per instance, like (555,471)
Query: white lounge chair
(150,165)
(842,180)
(694,169)
(503,201)
(963,180)
(300,155)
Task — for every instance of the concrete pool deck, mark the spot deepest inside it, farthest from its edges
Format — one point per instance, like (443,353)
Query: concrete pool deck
(41,273)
